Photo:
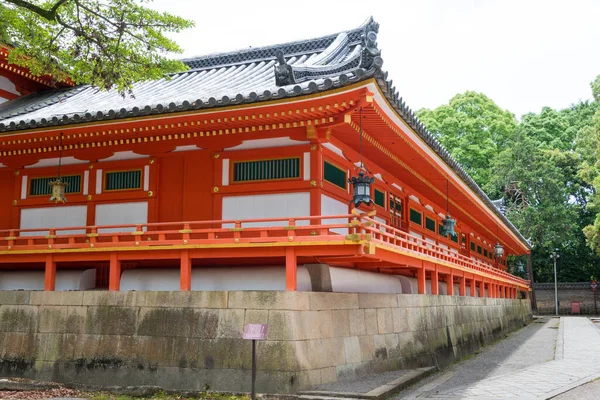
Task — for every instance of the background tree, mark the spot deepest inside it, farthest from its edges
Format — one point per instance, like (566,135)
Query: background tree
(104,43)
(591,172)
(473,128)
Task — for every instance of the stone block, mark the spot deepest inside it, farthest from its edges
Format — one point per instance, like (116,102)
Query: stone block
(63,298)
(276,355)
(307,379)
(377,300)
(412,300)
(380,347)
(76,319)
(18,318)
(256,317)
(352,350)
(313,324)
(185,322)
(357,322)
(194,299)
(392,343)
(341,323)
(385,323)
(371,321)
(400,320)
(14,297)
(52,319)
(367,347)
(269,300)
(328,375)
(333,301)
(121,299)
(107,320)
(303,354)
(282,325)
(231,323)
(416,318)
(326,352)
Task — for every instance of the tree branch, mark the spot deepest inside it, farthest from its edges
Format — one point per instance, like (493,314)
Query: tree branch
(50,15)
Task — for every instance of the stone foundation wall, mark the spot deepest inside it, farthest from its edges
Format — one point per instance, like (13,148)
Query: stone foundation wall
(192,340)
(567,293)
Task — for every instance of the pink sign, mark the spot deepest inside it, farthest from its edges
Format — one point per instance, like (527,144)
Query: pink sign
(255,331)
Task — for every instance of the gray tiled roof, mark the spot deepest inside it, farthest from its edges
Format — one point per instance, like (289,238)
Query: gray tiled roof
(244,76)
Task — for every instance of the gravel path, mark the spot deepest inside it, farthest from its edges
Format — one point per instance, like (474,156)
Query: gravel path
(590,391)
(532,345)
(361,385)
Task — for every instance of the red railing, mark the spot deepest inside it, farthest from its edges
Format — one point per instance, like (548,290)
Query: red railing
(391,236)
(243,232)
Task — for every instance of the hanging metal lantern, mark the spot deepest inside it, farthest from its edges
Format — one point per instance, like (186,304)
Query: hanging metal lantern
(498,250)
(58,191)
(361,187)
(448,226)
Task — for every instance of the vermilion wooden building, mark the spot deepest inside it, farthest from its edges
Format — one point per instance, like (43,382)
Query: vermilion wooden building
(243,161)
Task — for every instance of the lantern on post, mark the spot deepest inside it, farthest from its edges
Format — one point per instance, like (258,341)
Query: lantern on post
(361,185)
(58,185)
(498,249)
(448,223)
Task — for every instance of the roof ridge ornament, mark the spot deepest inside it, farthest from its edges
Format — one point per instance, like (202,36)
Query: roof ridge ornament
(371,55)
(283,72)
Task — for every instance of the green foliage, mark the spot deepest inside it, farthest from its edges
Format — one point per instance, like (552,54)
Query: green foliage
(551,158)
(473,128)
(111,43)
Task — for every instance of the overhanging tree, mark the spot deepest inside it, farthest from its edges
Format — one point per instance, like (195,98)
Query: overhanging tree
(105,43)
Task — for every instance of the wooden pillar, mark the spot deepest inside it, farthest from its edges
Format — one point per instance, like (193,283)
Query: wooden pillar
(185,273)
(450,283)
(463,287)
(435,289)
(290,269)
(473,287)
(482,289)
(114,273)
(421,280)
(50,274)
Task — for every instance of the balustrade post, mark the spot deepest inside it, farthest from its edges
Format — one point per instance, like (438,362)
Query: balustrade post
(290,269)
(185,273)
(114,273)
(291,228)
(50,274)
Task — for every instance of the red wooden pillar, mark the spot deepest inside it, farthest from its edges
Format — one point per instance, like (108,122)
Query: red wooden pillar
(473,287)
(114,273)
(463,287)
(482,289)
(421,282)
(50,274)
(290,269)
(435,288)
(185,273)
(450,284)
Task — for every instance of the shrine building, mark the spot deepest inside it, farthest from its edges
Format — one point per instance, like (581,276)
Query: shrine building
(243,173)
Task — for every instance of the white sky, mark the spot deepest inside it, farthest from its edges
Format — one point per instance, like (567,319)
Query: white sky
(522,54)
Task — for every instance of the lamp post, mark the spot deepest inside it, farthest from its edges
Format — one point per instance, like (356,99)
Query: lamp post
(555,256)
(361,185)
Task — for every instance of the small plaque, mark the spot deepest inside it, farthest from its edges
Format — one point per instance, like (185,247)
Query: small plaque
(255,332)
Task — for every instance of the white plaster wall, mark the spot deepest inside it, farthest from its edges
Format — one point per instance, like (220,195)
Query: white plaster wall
(8,85)
(121,214)
(331,206)
(222,278)
(281,205)
(355,281)
(34,280)
(56,216)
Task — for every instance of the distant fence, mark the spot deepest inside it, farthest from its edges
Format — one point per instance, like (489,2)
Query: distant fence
(568,292)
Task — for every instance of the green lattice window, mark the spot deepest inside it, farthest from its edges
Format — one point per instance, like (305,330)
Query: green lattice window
(379,198)
(472,246)
(396,205)
(334,175)
(430,224)
(454,238)
(265,170)
(416,217)
(41,186)
(479,249)
(123,180)
(485,253)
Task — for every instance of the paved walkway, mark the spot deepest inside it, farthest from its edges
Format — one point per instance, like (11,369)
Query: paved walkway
(576,361)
